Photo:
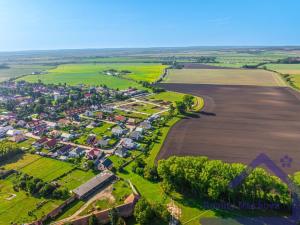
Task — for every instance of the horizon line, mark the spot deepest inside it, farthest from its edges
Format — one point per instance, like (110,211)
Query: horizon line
(153,47)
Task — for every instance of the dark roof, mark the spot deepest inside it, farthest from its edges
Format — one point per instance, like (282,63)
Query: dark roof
(93,183)
(107,162)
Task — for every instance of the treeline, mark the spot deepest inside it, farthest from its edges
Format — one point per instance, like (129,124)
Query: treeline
(254,66)
(210,179)
(289,60)
(155,89)
(4,66)
(206,59)
(8,150)
(38,187)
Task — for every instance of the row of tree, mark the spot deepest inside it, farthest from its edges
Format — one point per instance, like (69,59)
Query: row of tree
(38,187)
(210,179)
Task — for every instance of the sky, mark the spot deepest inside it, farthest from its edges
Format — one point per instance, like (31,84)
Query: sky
(77,24)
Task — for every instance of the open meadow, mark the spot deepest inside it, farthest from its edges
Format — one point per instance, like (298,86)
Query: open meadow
(285,68)
(224,77)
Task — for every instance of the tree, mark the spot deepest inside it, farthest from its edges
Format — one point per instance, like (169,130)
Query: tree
(143,212)
(114,216)
(188,100)
(93,220)
(181,107)
(172,110)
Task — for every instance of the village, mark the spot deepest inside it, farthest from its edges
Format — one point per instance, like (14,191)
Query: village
(100,126)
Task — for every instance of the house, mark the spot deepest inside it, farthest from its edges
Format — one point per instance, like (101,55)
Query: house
(91,140)
(66,136)
(13,132)
(139,129)
(146,125)
(131,121)
(3,130)
(118,131)
(87,95)
(99,115)
(64,150)
(18,138)
(128,143)
(50,144)
(55,133)
(39,143)
(119,118)
(121,152)
(77,152)
(88,113)
(105,164)
(21,123)
(93,154)
(103,143)
(136,135)
(63,122)
(63,158)
(35,124)
(153,117)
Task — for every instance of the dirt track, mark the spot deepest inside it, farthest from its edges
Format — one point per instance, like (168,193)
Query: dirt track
(237,123)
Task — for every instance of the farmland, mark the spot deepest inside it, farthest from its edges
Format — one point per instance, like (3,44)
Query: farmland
(285,68)
(224,77)
(94,74)
(237,123)
(291,72)
(18,70)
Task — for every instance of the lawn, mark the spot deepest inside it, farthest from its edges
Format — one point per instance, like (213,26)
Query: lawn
(168,96)
(224,77)
(75,178)
(93,74)
(16,210)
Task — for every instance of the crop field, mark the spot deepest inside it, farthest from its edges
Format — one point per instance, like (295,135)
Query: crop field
(18,70)
(224,77)
(14,206)
(237,123)
(94,74)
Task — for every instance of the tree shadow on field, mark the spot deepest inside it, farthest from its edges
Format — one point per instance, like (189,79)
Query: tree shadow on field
(13,159)
(207,113)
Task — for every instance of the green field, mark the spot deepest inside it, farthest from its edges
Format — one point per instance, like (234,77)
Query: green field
(44,168)
(93,74)
(293,69)
(224,77)
(168,96)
